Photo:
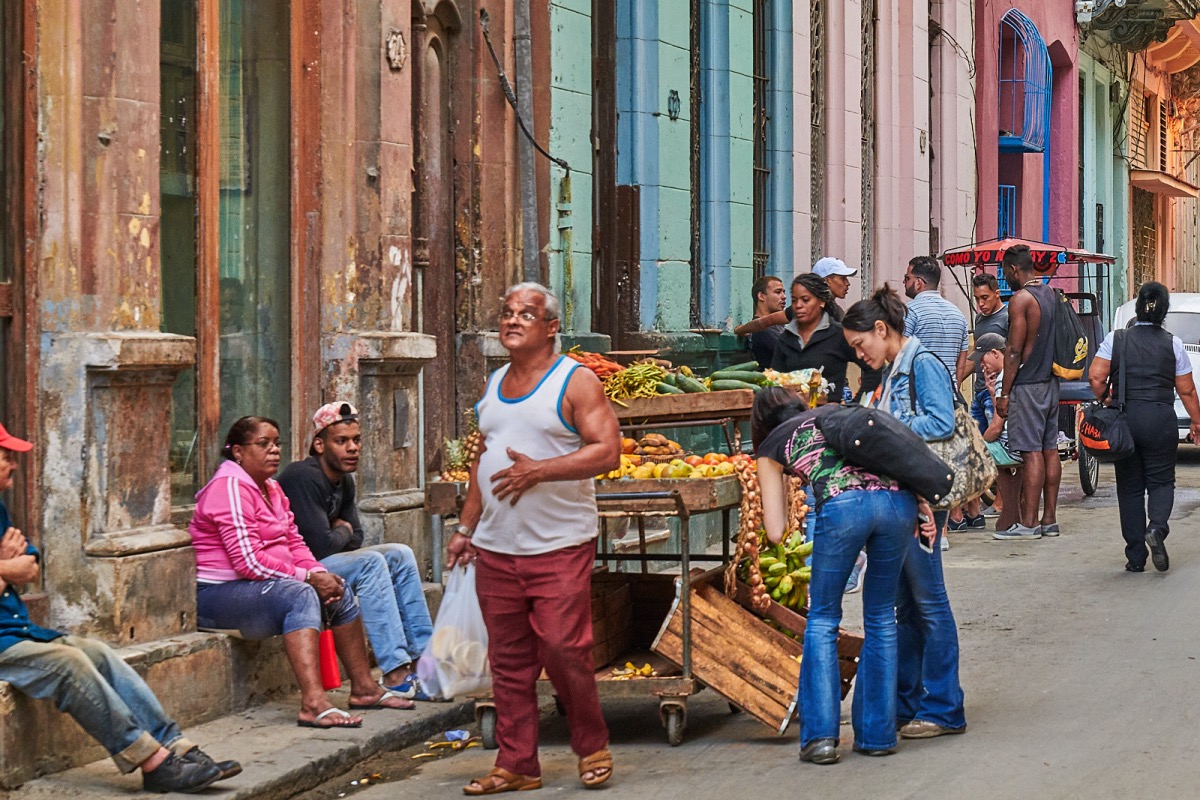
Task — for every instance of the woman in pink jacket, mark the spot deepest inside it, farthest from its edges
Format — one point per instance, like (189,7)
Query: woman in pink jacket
(257,578)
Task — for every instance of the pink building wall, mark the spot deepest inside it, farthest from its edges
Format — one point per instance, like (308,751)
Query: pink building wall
(1056,23)
(913,191)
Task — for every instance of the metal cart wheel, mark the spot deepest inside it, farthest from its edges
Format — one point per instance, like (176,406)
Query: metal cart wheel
(487,727)
(674,717)
(1089,469)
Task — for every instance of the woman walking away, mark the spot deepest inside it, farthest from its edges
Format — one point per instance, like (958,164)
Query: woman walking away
(918,391)
(1156,366)
(255,576)
(853,509)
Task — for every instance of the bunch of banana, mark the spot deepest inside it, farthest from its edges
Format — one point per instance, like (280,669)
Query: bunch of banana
(636,380)
(784,575)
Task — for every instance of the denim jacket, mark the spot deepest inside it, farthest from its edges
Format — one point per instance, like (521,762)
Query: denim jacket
(933,417)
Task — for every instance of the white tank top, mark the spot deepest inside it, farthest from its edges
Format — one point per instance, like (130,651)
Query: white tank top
(550,516)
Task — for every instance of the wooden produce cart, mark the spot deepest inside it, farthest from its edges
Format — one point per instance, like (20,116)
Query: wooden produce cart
(629,608)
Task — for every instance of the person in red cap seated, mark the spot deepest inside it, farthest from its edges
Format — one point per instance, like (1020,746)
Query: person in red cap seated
(85,677)
(385,577)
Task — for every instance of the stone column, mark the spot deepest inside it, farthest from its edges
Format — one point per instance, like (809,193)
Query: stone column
(115,566)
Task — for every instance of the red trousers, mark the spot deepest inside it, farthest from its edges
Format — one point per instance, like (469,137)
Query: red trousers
(538,612)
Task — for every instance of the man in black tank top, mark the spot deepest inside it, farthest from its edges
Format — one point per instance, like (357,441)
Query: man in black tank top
(1029,396)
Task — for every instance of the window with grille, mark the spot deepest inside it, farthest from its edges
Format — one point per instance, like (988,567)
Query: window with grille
(868,142)
(1163,133)
(1026,77)
(1139,132)
(762,121)
(817,125)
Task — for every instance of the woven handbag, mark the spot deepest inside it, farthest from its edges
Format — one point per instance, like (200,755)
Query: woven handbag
(965,451)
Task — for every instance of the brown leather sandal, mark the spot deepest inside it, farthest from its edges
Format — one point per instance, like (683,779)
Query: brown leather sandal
(501,780)
(599,764)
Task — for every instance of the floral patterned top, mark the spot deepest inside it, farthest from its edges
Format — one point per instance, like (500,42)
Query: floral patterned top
(800,447)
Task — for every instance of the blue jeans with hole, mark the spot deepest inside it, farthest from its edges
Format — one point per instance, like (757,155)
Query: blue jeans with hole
(928,687)
(881,522)
(388,584)
(90,681)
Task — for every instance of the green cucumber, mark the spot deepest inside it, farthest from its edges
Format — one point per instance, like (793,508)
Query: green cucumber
(689,385)
(666,388)
(728,386)
(745,366)
(669,379)
(756,378)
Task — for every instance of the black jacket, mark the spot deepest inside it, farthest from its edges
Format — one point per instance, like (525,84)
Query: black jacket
(827,348)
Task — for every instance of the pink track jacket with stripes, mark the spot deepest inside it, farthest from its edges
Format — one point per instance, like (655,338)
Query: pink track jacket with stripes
(237,536)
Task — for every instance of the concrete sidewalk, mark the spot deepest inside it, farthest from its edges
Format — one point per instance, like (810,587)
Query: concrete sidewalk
(280,758)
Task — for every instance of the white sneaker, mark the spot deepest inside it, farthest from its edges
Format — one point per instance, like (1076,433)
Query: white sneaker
(945,542)
(1018,531)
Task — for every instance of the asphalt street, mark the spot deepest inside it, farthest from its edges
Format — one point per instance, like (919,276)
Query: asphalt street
(1081,680)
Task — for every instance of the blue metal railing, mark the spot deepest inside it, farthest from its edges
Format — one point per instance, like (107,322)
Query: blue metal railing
(1006,224)
(1026,78)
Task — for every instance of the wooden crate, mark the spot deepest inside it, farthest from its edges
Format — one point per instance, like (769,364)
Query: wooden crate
(739,656)
(849,645)
(627,611)
(684,407)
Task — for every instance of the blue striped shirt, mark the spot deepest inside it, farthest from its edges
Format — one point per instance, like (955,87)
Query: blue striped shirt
(939,325)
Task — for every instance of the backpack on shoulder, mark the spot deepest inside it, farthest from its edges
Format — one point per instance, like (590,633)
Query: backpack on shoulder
(1070,340)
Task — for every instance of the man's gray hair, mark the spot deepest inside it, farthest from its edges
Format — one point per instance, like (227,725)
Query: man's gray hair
(552,308)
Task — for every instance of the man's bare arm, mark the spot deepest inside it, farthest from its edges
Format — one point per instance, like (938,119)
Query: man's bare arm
(761,323)
(22,569)
(963,367)
(1018,333)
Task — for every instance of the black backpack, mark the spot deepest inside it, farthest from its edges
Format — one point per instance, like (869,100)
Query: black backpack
(876,441)
(1070,340)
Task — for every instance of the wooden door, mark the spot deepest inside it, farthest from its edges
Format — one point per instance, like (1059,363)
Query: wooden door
(434,231)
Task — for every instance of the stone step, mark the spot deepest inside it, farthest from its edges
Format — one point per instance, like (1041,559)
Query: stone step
(198,677)
(280,759)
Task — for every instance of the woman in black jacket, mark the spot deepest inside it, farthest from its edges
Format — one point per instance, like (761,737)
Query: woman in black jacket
(1156,367)
(814,339)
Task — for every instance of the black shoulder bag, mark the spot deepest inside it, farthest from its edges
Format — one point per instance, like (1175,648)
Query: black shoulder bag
(1104,430)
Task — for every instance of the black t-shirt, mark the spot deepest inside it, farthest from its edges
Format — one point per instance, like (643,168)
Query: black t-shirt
(762,345)
(316,502)
(993,323)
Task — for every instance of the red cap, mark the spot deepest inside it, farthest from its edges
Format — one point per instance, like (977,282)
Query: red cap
(10,442)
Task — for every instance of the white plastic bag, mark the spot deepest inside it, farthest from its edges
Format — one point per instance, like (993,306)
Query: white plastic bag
(455,662)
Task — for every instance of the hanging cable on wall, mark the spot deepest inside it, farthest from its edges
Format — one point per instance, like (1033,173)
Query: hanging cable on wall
(511,96)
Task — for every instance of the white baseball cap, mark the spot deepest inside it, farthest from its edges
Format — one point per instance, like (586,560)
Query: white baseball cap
(832,266)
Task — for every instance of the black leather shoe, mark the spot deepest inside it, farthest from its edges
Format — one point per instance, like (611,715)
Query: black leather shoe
(228,768)
(177,775)
(1158,550)
(885,752)
(820,751)
(1132,567)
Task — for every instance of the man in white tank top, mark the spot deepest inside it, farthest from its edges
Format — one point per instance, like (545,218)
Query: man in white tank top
(529,522)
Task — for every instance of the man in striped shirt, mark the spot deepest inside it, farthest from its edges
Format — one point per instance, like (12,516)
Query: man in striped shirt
(933,319)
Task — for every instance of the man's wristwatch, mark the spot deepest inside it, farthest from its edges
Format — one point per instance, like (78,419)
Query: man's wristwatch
(463,530)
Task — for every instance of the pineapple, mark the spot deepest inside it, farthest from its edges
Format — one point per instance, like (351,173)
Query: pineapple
(460,454)
(473,441)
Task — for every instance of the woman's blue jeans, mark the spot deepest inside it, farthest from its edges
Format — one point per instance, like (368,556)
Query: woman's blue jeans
(881,522)
(927,686)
